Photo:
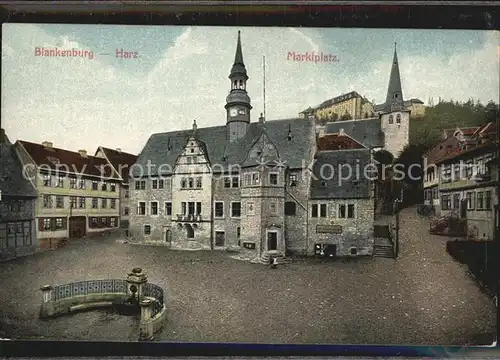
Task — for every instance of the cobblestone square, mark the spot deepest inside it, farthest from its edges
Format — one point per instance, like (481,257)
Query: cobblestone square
(424,297)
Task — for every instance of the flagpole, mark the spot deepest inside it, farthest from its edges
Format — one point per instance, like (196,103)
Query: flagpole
(264,83)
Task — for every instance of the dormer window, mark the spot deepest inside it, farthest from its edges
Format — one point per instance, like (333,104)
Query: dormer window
(398,119)
(391,119)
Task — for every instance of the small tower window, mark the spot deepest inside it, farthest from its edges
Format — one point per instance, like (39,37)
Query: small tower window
(391,119)
(235,85)
(398,119)
(395,96)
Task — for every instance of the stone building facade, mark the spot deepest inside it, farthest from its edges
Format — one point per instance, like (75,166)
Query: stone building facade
(17,206)
(243,187)
(76,194)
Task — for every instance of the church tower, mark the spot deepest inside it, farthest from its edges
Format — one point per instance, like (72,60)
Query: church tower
(394,98)
(238,102)
(395,118)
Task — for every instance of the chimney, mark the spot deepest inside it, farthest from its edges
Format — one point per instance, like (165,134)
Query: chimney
(47,144)
(119,150)
(341,132)
(261,118)
(83,153)
(194,125)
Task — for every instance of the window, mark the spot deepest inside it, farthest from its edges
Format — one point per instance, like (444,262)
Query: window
(46,224)
(140,185)
(235,181)
(446,174)
(314,210)
(81,183)
(252,179)
(147,229)
(290,208)
(235,209)
(112,204)
(238,232)
(59,223)
(154,184)
(72,183)
(95,203)
(470,200)
(93,223)
(398,119)
(219,209)
(81,202)
(468,169)
(104,186)
(141,208)
(250,208)
(104,203)
(272,208)
(191,208)
(60,181)
(168,209)
(456,201)
(73,201)
(112,222)
(391,119)
(47,180)
(446,202)
(183,183)
(350,211)
(227,182)
(95,185)
(232,181)
(198,182)
(342,211)
(59,202)
(126,193)
(126,210)
(190,183)
(456,172)
(487,200)
(292,180)
(183,208)
(189,160)
(198,208)
(161,184)
(323,183)
(273,179)
(219,238)
(154,208)
(112,187)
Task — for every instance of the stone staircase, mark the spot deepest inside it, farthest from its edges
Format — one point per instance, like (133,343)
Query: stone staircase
(265,259)
(382,247)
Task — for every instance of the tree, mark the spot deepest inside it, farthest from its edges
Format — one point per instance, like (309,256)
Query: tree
(409,164)
(346,116)
(383,157)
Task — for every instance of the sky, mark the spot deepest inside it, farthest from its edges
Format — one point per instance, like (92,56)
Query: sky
(181,75)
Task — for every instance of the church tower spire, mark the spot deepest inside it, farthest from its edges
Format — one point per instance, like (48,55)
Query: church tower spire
(394,99)
(238,102)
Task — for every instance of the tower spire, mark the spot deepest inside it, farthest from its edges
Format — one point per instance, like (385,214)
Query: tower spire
(394,91)
(238,66)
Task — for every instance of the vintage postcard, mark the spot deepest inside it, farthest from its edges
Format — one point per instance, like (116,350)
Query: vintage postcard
(250,185)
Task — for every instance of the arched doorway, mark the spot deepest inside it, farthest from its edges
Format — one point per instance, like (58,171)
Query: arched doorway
(189,231)
(168,236)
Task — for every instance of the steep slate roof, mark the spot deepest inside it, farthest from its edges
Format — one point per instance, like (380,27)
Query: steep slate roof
(117,158)
(12,181)
(337,142)
(223,153)
(365,131)
(353,187)
(66,159)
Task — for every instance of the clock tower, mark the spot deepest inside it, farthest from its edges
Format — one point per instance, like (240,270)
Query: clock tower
(238,102)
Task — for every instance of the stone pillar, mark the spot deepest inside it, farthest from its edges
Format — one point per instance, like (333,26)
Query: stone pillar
(146,327)
(47,307)
(136,281)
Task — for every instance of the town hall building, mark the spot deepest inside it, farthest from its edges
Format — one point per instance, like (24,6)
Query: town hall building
(256,188)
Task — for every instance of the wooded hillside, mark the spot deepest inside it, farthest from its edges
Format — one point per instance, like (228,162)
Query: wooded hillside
(449,114)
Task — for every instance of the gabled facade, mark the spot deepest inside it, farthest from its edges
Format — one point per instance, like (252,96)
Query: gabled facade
(121,162)
(76,194)
(17,205)
(243,187)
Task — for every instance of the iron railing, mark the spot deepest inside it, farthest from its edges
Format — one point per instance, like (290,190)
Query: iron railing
(89,287)
(156,292)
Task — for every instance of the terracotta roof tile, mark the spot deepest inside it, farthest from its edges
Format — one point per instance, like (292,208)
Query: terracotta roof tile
(337,142)
(65,160)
